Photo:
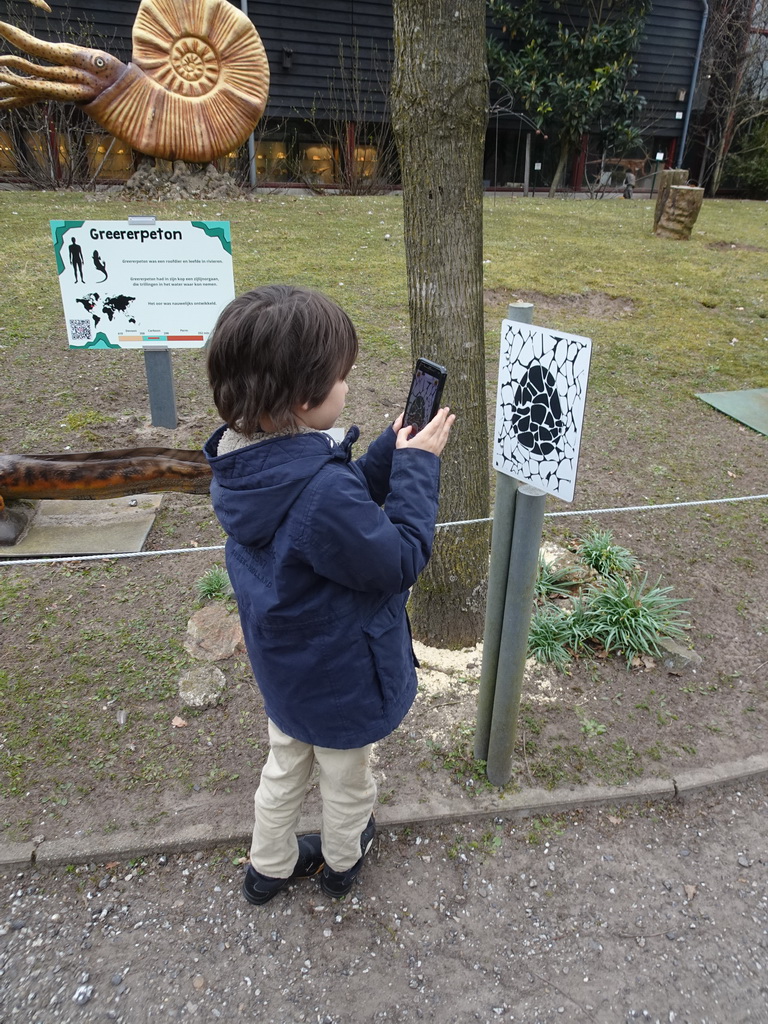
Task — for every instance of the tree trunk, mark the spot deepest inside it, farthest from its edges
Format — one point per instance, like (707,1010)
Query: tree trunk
(439,115)
(667,179)
(680,212)
(565,150)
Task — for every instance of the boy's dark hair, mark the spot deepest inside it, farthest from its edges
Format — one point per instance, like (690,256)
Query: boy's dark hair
(275,348)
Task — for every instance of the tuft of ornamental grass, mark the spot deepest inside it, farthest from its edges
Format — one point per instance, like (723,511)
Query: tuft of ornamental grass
(579,623)
(630,617)
(549,637)
(214,584)
(553,580)
(598,551)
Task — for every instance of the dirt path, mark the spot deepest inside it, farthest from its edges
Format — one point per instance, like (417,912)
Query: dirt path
(657,913)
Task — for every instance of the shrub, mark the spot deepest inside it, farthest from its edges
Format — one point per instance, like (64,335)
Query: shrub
(631,618)
(548,638)
(598,551)
(553,580)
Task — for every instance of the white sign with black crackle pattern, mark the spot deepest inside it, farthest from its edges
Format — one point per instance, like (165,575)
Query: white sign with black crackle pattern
(542,392)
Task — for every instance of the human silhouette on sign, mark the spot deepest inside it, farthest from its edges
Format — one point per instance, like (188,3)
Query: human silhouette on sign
(99,263)
(76,259)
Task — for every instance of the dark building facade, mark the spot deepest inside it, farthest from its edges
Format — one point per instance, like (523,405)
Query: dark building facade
(327,113)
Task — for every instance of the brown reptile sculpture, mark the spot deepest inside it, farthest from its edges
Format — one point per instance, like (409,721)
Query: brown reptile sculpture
(194,90)
(107,474)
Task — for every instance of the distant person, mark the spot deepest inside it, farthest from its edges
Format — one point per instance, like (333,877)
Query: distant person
(321,553)
(100,265)
(629,184)
(76,259)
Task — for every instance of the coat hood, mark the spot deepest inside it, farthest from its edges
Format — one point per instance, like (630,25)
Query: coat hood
(253,488)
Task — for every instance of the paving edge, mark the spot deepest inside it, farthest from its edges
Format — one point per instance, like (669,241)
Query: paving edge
(121,846)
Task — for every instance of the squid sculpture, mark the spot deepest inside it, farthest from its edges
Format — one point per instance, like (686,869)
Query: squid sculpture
(195,88)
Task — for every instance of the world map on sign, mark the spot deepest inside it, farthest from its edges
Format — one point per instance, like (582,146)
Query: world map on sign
(110,306)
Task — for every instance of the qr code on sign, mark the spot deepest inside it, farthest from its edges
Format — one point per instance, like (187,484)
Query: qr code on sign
(80,330)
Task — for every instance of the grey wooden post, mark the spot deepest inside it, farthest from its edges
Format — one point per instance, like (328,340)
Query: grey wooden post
(162,397)
(518,608)
(498,577)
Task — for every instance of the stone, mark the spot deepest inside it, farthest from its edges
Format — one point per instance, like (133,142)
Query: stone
(160,180)
(202,687)
(676,657)
(83,994)
(214,633)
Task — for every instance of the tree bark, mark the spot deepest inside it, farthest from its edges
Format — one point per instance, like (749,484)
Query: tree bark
(680,212)
(439,115)
(667,179)
(565,149)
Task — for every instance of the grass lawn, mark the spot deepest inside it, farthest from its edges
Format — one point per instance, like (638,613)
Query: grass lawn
(667,319)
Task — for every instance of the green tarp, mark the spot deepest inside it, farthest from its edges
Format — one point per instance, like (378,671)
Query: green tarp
(748,407)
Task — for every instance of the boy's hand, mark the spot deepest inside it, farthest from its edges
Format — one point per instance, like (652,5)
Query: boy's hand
(432,437)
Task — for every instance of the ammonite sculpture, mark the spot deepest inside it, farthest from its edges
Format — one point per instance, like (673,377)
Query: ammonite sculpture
(194,90)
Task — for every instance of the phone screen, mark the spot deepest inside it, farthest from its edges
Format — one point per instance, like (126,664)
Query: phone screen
(423,399)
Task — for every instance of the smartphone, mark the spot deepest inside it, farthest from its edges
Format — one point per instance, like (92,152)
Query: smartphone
(424,395)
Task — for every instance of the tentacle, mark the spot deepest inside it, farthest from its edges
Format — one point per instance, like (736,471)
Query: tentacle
(30,87)
(54,74)
(80,75)
(56,53)
(95,62)
(10,99)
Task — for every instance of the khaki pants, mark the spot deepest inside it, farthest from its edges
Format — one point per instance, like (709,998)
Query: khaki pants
(347,789)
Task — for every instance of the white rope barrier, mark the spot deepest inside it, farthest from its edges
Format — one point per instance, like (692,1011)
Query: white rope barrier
(625,508)
(21,561)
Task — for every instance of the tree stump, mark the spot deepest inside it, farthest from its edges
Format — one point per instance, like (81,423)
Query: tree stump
(680,212)
(666,180)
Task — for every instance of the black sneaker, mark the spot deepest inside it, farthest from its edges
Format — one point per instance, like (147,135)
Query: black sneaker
(260,889)
(338,883)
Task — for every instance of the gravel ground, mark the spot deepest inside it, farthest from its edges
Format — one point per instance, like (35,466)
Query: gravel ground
(655,913)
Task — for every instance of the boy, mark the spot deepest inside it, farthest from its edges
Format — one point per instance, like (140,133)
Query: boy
(320,570)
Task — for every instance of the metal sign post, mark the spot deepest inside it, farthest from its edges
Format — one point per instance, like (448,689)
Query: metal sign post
(540,405)
(159,369)
(162,394)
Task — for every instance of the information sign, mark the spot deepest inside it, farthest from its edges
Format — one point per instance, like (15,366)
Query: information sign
(131,285)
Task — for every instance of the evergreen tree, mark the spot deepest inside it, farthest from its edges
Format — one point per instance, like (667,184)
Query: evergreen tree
(569,66)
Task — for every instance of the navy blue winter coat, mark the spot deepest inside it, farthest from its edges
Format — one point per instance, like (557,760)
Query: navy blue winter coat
(321,574)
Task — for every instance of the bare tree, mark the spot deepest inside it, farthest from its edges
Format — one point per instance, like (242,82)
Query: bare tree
(439,114)
(735,68)
(352,123)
